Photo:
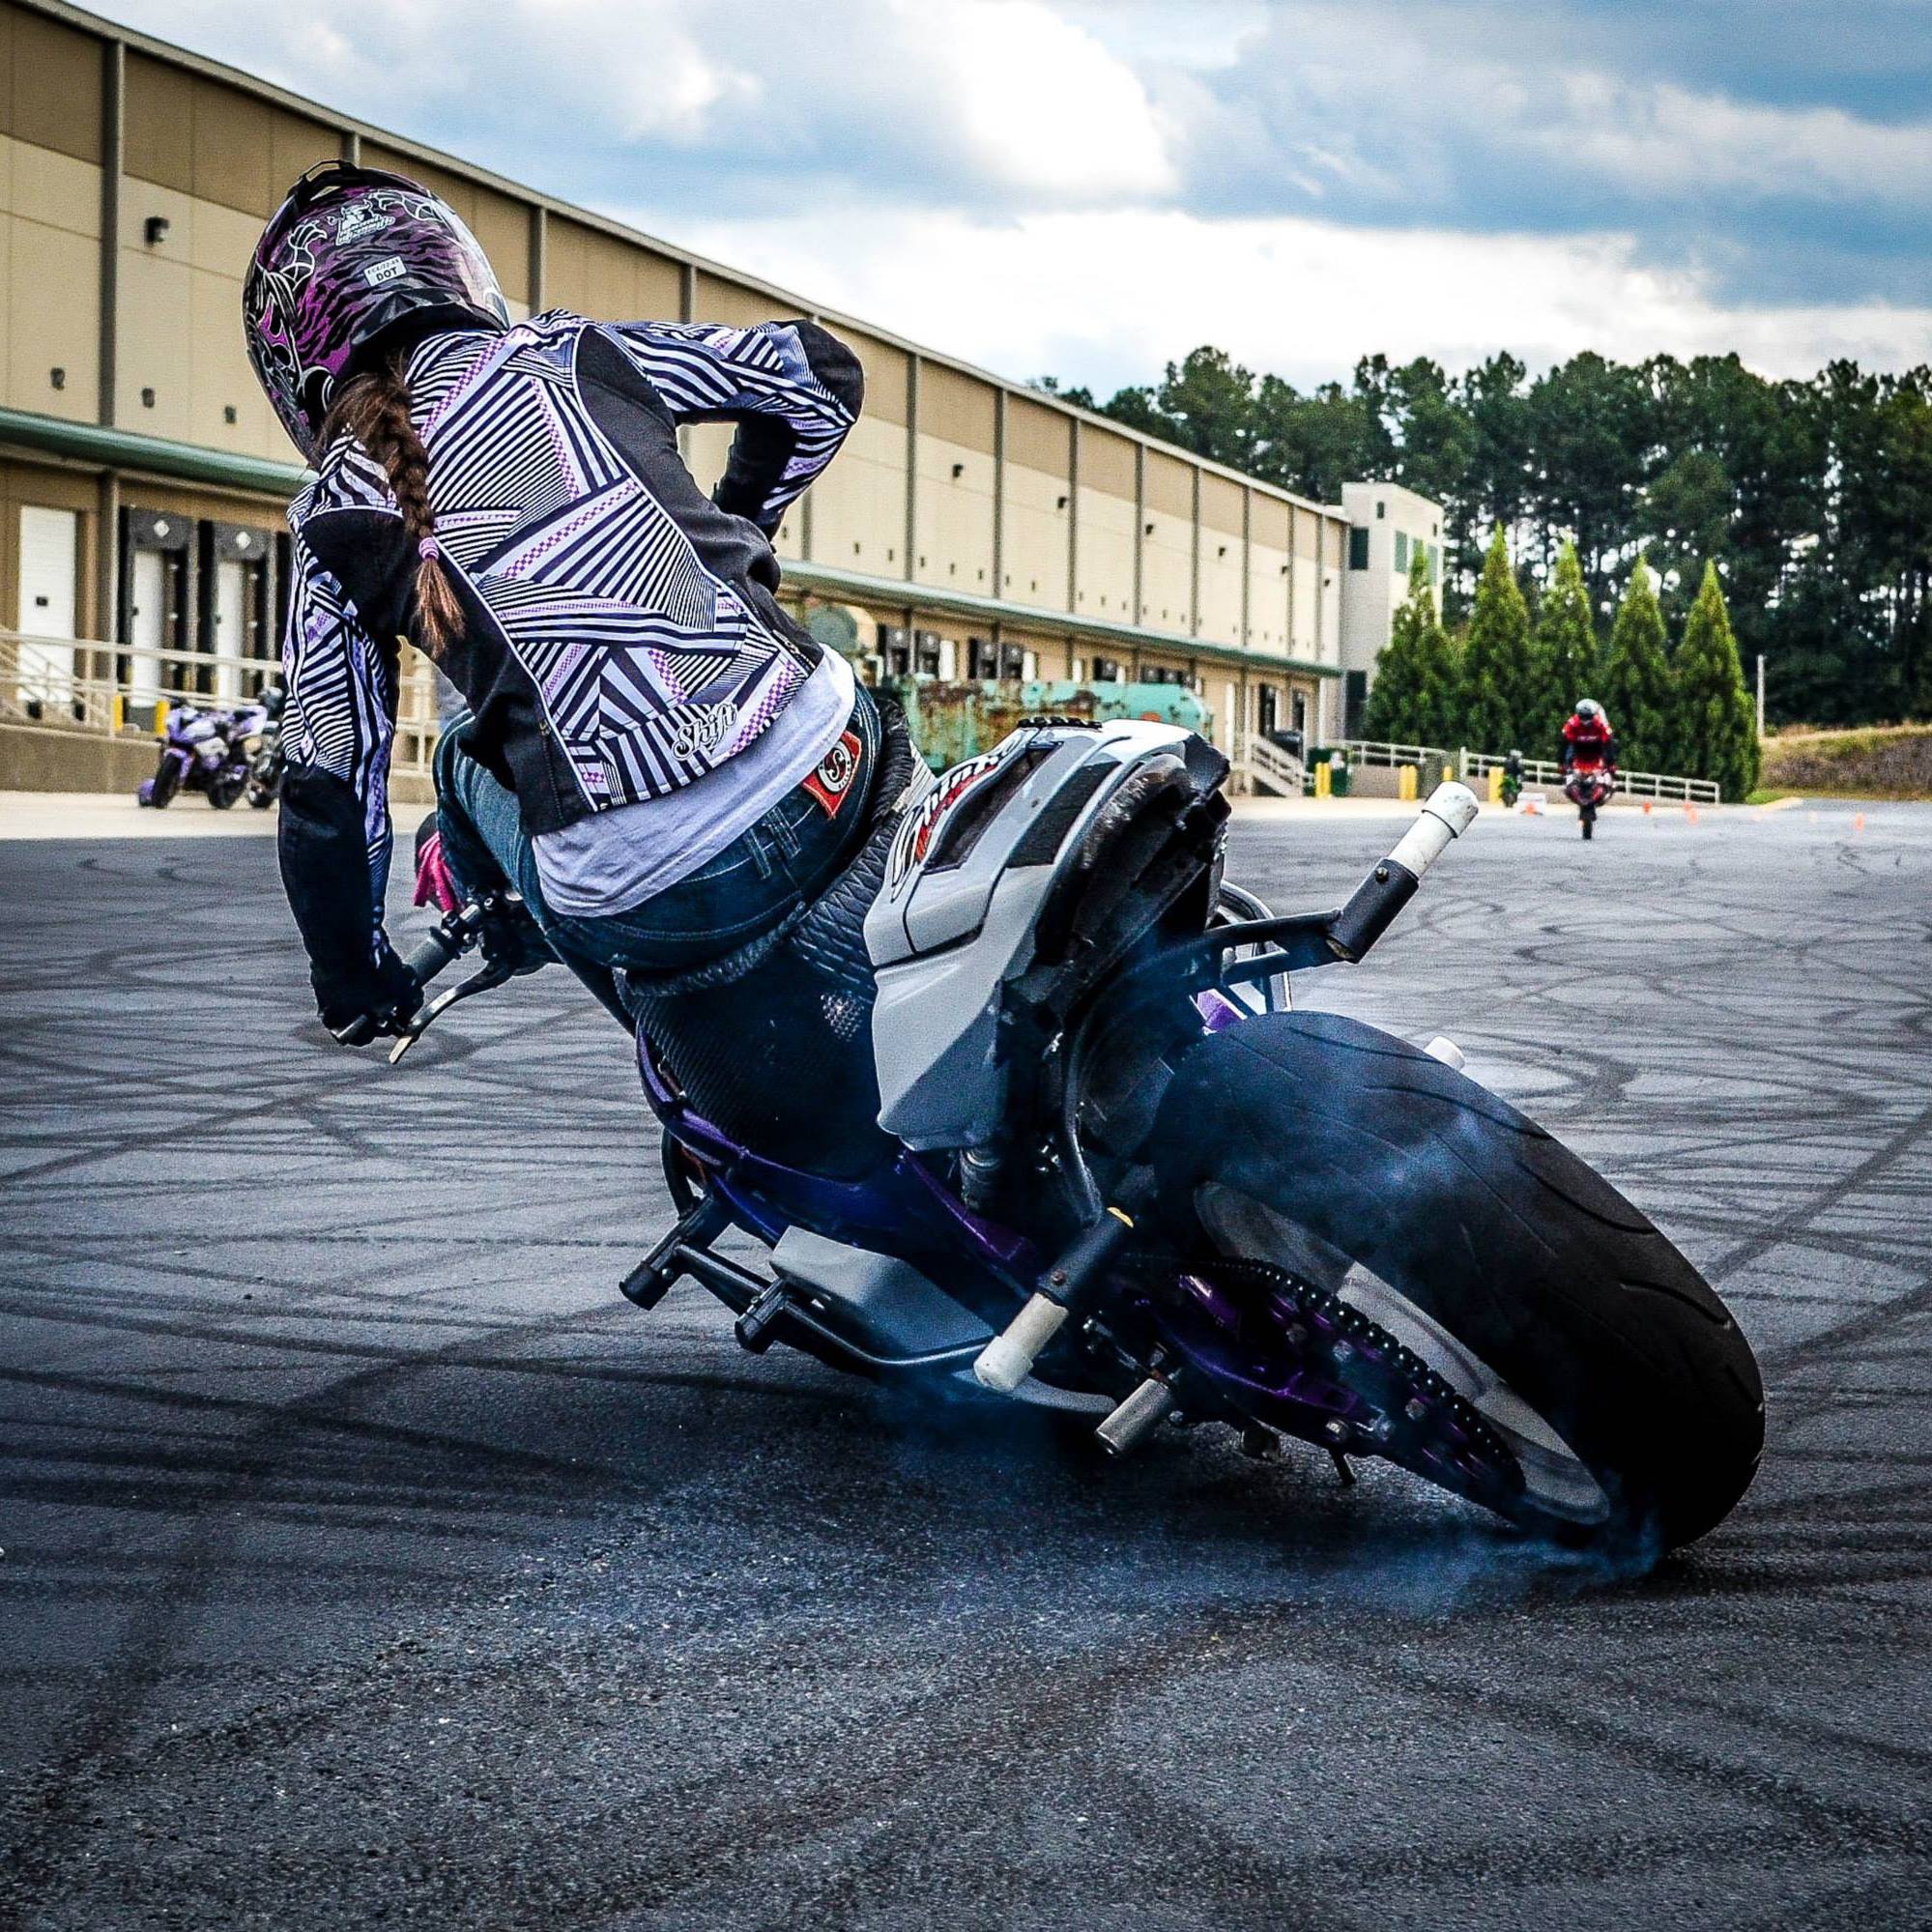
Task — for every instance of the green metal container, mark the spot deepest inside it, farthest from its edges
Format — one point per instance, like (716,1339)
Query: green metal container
(951,722)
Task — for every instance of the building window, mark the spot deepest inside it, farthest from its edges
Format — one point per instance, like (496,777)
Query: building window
(1402,552)
(1358,548)
(1107,671)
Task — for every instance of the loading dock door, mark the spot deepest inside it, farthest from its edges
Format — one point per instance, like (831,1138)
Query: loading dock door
(231,625)
(49,567)
(148,612)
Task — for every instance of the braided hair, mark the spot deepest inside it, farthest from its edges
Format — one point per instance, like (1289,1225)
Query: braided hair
(374,409)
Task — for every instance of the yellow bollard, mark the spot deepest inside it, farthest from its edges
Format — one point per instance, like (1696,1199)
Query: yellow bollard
(1495,785)
(1406,785)
(120,713)
(1323,780)
(161,718)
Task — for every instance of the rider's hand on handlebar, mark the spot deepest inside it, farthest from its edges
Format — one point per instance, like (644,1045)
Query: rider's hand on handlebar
(383,1003)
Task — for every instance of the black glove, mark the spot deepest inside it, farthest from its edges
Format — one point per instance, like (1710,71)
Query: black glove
(380,1000)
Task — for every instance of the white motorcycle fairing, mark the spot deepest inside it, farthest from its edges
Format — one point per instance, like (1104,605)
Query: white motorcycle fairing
(970,871)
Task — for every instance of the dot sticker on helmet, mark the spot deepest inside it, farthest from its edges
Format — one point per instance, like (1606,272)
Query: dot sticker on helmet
(384,272)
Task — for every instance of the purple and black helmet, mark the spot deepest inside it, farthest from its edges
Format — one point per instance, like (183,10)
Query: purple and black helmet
(355,264)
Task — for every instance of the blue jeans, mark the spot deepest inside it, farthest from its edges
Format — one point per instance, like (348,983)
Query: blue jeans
(766,874)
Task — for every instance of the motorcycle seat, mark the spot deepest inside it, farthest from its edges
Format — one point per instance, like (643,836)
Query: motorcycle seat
(772,1042)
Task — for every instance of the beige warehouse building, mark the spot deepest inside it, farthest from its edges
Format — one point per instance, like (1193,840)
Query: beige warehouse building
(970,527)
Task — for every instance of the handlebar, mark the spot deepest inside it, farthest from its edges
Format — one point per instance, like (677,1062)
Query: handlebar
(450,938)
(1448,812)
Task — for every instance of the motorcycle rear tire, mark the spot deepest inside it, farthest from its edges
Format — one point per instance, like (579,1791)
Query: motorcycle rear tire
(1500,1235)
(1589,825)
(224,788)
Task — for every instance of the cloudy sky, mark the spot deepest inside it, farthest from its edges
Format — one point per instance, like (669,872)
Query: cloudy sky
(1088,187)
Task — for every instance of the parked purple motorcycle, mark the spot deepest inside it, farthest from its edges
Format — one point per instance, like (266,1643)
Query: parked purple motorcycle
(210,752)
(1019,1110)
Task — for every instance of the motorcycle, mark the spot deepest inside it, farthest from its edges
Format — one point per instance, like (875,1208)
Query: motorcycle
(1021,1109)
(266,765)
(206,752)
(1589,787)
(1512,786)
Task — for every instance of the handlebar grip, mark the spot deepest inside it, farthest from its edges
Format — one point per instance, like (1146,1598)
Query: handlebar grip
(1446,814)
(428,959)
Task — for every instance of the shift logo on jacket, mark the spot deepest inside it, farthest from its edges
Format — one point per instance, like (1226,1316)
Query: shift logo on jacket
(701,732)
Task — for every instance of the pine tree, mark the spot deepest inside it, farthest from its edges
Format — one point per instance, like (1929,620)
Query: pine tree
(1567,641)
(1502,686)
(1442,658)
(1637,685)
(1414,696)
(1716,734)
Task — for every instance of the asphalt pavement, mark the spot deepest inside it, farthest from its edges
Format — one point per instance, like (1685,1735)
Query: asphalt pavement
(369,1561)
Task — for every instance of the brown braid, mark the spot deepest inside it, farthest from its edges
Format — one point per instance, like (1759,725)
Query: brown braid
(374,409)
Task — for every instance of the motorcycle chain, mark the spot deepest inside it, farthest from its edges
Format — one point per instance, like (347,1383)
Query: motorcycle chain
(1342,1342)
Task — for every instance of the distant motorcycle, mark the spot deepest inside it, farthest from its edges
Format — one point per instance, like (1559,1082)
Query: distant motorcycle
(265,766)
(207,752)
(1589,787)
(1512,780)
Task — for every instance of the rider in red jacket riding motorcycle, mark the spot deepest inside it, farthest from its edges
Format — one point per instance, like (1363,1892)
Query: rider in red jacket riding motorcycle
(1589,762)
(1588,741)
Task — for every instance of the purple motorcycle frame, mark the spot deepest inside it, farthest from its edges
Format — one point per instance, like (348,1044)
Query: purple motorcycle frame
(904,1209)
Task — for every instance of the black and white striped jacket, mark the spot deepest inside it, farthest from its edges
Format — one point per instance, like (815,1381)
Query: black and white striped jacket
(621,636)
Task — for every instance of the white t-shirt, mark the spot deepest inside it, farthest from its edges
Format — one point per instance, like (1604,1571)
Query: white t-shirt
(614,860)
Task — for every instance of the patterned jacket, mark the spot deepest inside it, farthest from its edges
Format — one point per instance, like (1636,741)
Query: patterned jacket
(621,637)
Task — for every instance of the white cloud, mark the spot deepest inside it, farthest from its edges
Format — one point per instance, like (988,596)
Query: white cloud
(1109,298)
(1042,104)
(1000,103)
(1665,139)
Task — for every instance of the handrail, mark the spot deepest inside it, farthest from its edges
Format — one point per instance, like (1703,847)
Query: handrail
(1535,770)
(1277,765)
(43,682)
